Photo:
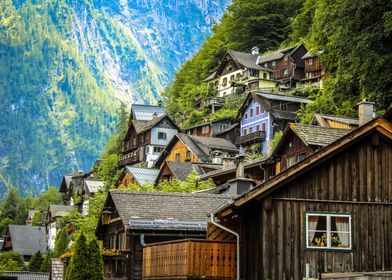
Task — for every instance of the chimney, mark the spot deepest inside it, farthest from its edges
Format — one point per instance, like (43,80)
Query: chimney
(365,111)
(240,184)
(160,103)
(80,172)
(255,50)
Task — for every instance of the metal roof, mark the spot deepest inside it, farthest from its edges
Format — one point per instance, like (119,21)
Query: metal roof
(276,54)
(345,120)
(166,224)
(142,112)
(93,186)
(144,176)
(28,240)
(282,97)
(60,210)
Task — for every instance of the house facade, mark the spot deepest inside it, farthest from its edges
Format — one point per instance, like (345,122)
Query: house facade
(314,71)
(137,176)
(323,217)
(239,69)
(145,140)
(53,214)
(263,114)
(334,121)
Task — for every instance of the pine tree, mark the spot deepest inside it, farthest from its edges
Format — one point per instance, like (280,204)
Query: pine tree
(61,243)
(45,267)
(36,262)
(79,268)
(95,263)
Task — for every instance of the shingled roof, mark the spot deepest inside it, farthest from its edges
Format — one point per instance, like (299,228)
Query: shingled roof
(317,135)
(28,240)
(322,118)
(247,60)
(26,275)
(155,209)
(60,210)
(65,183)
(142,126)
(93,186)
(276,54)
(143,112)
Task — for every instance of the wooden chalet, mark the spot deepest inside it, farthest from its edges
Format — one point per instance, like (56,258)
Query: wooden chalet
(171,170)
(326,217)
(25,239)
(133,220)
(145,140)
(313,70)
(209,128)
(334,121)
(73,184)
(239,69)
(189,148)
(300,141)
(138,176)
(52,215)
(286,64)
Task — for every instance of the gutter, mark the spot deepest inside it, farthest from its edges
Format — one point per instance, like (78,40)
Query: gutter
(212,216)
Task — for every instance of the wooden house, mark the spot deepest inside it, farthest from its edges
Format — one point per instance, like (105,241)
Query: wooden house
(300,141)
(25,239)
(90,187)
(145,140)
(240,69)
(209,128)
(326,217)
(138,176)
(132,220)
(171,170)
(286,64)
(189,148)
(334,121)
(263,114)
(73,184)
(313,70)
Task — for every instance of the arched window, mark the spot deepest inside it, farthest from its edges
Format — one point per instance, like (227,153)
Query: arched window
(224,82)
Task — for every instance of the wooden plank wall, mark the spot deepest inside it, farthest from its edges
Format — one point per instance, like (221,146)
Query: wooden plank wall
(358,181)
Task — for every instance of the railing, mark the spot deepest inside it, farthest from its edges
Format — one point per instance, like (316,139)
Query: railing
(254,137)
(128,160)
(190,258)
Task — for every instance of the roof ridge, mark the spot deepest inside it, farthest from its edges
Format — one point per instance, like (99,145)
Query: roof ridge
(192,194)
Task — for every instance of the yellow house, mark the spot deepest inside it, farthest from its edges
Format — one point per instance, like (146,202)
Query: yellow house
(190,148)
(334,121)
(138,176)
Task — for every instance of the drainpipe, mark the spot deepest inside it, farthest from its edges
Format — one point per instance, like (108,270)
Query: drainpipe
(230,231)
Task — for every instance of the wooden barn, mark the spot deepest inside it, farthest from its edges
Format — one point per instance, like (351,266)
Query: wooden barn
(326,217)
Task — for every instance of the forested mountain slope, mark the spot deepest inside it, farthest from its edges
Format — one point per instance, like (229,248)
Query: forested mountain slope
(65,66)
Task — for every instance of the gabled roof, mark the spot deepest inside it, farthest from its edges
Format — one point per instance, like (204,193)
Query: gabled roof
(26,275)
(28,240)
(93,186)
(210,77)
(65,183)
(143,176)
(165,211)
(321,119)
(181,170)
(227,129)
(379,125)
(283,97)
(283,115)
(313,135)
(60,210)
(200,146)
(142,126)
(142,112)
(247,60)
(277,54)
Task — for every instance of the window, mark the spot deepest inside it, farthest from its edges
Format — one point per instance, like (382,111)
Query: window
(251,113)
(231,78)
(258,127)
(283,106)
(310,61)
(246,116)
(328,231)
(162,135)
(273,63)
(286,58)
(263,126)
(245,131)
(266,65)
(112,242)
(265,76)
(291,161)
(301,157)
(205,129)
(222,126)
(285,71)
(257,110)
(122,241)
(238,76)
(178,157)
(250,130)
(158,149)
(188,155)
(224,82)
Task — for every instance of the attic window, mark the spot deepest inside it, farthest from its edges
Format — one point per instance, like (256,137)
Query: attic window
(266,65)
(286,58)
(162,135)
(229,68)
(328,231)
(273,63)
(310,61)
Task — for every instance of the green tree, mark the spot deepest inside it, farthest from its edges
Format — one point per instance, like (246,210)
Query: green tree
(95,260)
(79,268)
(61,244)
(36,262)
(13,209)
(45,267)
(11,261)
(51,196)
(37,219)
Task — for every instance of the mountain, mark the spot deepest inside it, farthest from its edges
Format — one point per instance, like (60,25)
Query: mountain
(65,67)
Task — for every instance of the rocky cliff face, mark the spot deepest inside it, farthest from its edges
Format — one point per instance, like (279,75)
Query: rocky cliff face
(65,66)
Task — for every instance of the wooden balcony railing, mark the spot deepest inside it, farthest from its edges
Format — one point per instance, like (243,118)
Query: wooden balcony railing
(128,160)
(190,258)
(250,138)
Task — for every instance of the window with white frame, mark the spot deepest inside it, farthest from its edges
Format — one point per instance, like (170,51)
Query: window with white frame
(328,231)
(162,135)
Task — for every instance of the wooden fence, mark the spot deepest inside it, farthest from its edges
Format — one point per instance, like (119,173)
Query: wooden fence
(190,258)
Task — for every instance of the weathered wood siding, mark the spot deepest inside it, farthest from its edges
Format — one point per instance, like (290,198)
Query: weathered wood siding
(358,181)
(180,148)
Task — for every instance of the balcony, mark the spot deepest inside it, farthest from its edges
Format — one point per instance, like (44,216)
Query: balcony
(251,138)
(127,159)
(190,259)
